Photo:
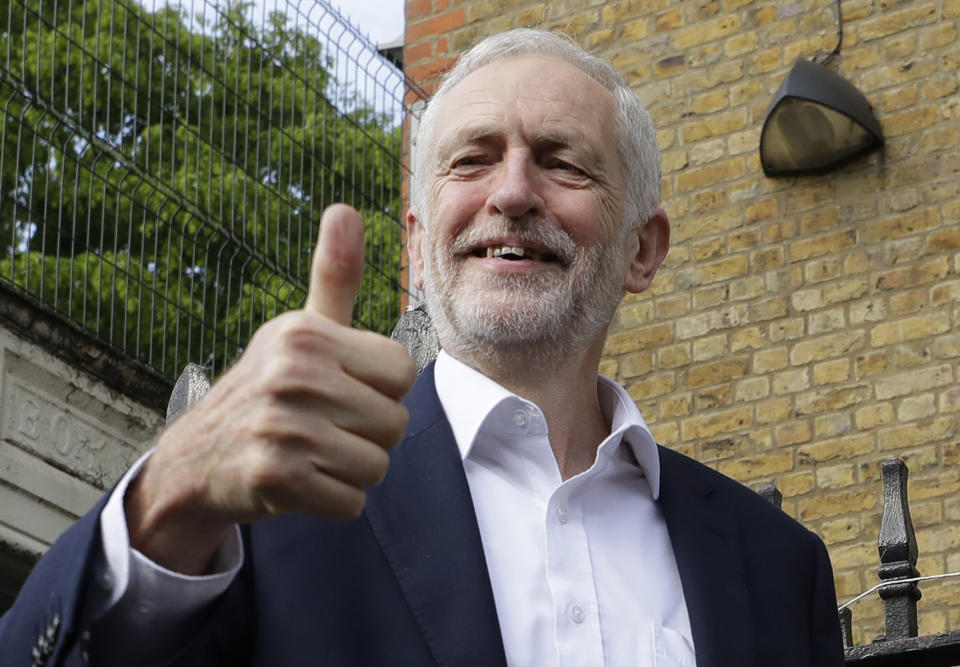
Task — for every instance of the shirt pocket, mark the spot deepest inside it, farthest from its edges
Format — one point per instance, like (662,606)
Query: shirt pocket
(672,648)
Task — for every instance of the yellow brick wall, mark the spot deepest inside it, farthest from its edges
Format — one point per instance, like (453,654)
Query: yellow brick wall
(801,330)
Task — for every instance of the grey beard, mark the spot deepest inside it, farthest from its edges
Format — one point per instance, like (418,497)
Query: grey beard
(567,320)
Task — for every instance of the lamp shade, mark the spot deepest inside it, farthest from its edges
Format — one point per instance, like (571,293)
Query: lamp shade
(817,121)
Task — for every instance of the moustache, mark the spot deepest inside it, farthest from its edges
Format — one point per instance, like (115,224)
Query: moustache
(529,234)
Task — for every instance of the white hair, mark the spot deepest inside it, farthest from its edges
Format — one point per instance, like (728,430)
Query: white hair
(639,155)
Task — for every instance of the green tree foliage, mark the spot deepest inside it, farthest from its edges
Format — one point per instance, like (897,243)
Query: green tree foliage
(162,181)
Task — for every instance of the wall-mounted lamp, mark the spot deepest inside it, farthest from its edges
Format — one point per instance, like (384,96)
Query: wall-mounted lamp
(817,121)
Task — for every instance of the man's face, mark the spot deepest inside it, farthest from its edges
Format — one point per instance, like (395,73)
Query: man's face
(523,241)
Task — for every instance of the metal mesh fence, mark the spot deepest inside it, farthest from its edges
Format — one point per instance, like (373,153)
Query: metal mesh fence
(164,168)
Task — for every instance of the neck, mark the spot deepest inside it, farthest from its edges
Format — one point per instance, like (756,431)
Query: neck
(565,389)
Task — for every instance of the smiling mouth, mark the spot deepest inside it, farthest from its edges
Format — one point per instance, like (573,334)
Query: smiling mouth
(514,254)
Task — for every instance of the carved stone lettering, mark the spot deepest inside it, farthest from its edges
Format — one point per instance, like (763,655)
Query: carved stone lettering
(67,426)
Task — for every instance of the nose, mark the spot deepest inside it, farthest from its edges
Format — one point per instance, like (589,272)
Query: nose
(516,194)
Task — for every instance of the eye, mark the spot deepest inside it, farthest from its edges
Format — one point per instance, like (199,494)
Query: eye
(468,161)
(564,166)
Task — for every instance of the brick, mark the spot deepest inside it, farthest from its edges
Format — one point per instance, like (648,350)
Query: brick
(792,433)
(913,276)
(768,309)
(767,209)
(772,410)
(826,321)
(831,372)
(836,477)
(704,323)
(676,406)
(434,25)
(823,245)
(897,226)
(795,484)
(716,125)
(636,313)
(710,347)
(943,240)
(639,339)
(872,310)
(666,434)
(908,302)
(832,425)
(949,400)
(757,465)
(705,426)
(943,485)
(669,20)
(650,386)
(910,120)
(913,381)
(827,400)
(637,29)
(673,306)
(790,382)
(748,338)
(712,174)
(710,272)
(715,450)
(938,35)
(826,347)
(837,449)
(908,435)
(638,363)
(841,530)
(739,45)
(716,372)
(946,347)
(749,287)
(713,397)
(839,502)
(784,330)
(608,368)
(673,356)
(703,32)
(752,389)
(893,22)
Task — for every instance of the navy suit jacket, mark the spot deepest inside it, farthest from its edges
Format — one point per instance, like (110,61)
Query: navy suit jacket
(406,583)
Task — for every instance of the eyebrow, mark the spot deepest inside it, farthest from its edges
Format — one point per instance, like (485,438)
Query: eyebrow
(482,134)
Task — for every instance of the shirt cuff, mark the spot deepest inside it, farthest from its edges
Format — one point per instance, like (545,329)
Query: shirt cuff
(144,588)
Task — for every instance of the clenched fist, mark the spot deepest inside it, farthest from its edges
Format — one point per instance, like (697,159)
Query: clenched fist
(303,422)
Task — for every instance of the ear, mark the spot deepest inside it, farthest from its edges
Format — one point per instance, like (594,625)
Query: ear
(646,248)
(415,234)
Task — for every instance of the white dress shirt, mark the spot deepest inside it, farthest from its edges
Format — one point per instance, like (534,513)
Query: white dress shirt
(583,572)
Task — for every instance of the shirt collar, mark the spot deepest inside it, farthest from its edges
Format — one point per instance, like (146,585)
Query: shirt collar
(468,397)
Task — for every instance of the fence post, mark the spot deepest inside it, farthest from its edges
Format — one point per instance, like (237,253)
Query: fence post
(898,554)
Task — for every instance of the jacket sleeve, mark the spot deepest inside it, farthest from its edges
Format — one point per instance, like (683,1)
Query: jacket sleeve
(45,625)
(826,641)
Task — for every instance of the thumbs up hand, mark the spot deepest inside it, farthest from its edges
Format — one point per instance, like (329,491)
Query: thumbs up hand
(301,423)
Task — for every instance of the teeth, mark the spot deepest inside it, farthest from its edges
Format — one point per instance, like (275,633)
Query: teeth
(499,251)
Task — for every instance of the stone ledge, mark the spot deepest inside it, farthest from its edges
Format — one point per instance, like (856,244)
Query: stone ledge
(25,316)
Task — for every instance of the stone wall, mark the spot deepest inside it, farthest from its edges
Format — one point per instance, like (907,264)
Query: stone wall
(802,330)
(71,422)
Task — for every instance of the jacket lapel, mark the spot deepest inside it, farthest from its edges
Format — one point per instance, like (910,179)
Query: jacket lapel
(706,545)
(422,515)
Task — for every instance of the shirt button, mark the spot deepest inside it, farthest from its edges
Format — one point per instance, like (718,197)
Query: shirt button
(561,513)
(519,418)
(576,613)
(106,580)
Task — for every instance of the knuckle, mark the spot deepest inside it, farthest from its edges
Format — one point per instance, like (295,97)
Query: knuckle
(350,506)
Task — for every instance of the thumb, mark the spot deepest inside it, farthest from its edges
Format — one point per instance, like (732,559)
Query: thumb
(337,269)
